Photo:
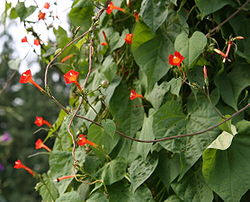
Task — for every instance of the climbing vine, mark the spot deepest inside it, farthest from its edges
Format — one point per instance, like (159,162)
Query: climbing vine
(158,108)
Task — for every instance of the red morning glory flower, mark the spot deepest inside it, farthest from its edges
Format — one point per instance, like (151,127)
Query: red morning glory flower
(175,59)
(19,165)
(82,140)
(72,77)
(39,145)
(40,121)
(36,42)
(134,95)
(26,77)
(128,38)
(24,39)
(104,44)
(41,16)
(112,7)
(46,5)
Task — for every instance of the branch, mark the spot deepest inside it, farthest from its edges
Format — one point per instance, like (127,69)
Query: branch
(69,131)
(176,136)
(229,18)
(8,82)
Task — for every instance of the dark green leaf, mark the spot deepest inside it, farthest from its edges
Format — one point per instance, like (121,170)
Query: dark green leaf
(227,95)
(142,34)
(173,198)
(97,135)
(109,127)
(202,116)
(63,141)
(109,68)
(169,120)
(242,29)
(168,168)
(226,126)
(192,187)
(128,118)
(146,133)
(47,189)
(62,161)
(81,13)
(154,13)
(121,192)
(192,47)
(156,96)
(114,171)
(239,78)
(61,37)
(141,169)
(175,86)
(24,12)
(69,196)
(228,172)
(83,191)
(210,6)
(152,59)
(97,197)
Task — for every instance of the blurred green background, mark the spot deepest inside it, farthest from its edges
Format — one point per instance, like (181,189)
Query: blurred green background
(19,105)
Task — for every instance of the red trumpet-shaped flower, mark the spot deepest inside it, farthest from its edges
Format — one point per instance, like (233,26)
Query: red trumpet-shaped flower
(39,145)
(26,77)
(19,165)
(64,177)
(67,58)
(24,39)
(40,121)
(46,5)
(72,77)
(128,38)
(82,140)
(134,95)
(175,59)
(112,7)
(104,43)
(41,16)
(36,42)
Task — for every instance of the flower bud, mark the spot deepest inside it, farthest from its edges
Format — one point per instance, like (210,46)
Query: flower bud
(104,84)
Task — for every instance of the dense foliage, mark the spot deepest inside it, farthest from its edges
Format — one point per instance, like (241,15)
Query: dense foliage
(158,97)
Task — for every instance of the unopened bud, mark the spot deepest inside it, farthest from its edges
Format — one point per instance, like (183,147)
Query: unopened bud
(104,83)
(205,75)
(205,72)
(238,38)
(220,52)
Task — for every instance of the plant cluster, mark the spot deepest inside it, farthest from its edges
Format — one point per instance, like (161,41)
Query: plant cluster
(156,85)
